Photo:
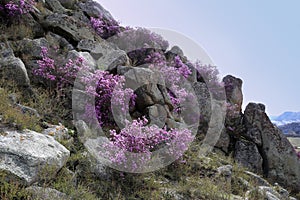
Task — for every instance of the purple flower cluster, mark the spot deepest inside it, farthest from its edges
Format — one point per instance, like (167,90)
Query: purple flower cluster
(102,91)
(183,69)
(61,76)
(122,96)
(136,137)
(210,75)
(139,38)
(17,8)
(173,72)
(138,42)
(105,28)
(99,84)
(106,86)
(156,58)
(46,65)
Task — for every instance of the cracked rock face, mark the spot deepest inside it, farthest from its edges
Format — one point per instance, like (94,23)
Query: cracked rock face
(247,154)
(280,162)
(27,154)
(12,67)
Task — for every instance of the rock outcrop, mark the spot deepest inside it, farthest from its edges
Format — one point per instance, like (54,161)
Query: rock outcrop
(30,156)
(64,27)
(11,67)
(280,162)
(257,143)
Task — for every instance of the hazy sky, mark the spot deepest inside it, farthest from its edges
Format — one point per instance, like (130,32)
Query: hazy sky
(257,41)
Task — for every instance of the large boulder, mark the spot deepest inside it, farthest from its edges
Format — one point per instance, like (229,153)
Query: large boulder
(94,9)
(158,115)
(55,5)
(11,67)
(88,59)
(247,154)
(107,55)
(69,4)
(145,83)
(28,155)
(204,100)
(14,69)
(29,49)
(280,162)
(46,193)
(233,89)
(68,27)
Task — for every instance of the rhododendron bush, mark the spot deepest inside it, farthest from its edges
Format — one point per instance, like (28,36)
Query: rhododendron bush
(103,90)
(138,43)
(105,28)
(16,7)
(61,76)
(132,143)
(136,142)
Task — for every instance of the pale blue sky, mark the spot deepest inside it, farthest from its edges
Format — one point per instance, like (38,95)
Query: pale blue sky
(257,41)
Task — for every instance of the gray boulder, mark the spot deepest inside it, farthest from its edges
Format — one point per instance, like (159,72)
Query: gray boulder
(94,9)
(280,162)
(59,132)
(233,88)
(226,171)
(158,115)
(223,142)
(46,193)
(98,162)
(80,100)
(88,59)
(148,95)
(258,179)
(204,100)
(106,55)
(248,155)
(69,4)
(28,155)
(31,49)
(145,82)
(55,6)
(68,27)
(58,41)
(12,68)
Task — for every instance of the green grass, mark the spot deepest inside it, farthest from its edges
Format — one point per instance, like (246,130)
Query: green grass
(295,141)
(13,115)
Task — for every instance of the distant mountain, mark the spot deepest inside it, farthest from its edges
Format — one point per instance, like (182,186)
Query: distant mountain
(292,129)
(286,118)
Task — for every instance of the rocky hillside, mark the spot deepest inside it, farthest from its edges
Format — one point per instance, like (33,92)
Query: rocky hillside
(292,129)
(88,106)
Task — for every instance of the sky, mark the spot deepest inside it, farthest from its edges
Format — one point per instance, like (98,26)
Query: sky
(257,41)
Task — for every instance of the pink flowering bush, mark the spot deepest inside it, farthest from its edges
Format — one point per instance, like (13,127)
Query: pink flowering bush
(183,69)
(173,73)
(141,140)
(17,7)
(103,90)
(105,28)
(99,84)
(60,76)
(210,76)
(140,38)
(138,43)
